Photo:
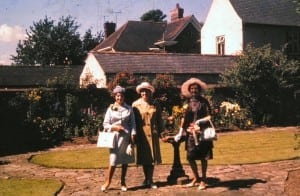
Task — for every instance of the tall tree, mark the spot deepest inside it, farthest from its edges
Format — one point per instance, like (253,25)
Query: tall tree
(50,44)
(153,15)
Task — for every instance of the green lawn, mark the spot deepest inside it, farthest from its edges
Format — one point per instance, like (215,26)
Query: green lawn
(238,148)
(29,187)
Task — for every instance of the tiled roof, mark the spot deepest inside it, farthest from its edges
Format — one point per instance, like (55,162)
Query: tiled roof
(32,76)
(272,12)
(134,36)
(139,36)
(173,63)
(176,27)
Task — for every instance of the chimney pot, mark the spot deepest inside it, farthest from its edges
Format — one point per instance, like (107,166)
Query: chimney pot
(109,28)
(177,13)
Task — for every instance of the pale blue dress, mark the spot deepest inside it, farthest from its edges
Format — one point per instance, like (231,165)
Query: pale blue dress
(120,115)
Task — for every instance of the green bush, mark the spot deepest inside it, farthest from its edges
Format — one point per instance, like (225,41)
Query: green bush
(264,81)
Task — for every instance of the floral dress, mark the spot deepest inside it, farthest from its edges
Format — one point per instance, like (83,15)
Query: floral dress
(124,116)
(149,126)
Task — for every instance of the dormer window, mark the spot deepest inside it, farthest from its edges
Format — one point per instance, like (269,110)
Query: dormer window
(220,42)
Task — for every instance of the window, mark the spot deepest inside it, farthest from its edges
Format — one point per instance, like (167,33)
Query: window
(220,40)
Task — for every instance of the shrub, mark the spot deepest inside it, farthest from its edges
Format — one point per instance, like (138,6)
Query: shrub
(230,115)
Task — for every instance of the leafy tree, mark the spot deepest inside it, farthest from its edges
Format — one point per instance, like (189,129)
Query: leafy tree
(89,41)
(153,15)
(264,81)
(50,44)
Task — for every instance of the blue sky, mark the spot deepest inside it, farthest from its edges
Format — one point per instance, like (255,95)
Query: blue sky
(16,16)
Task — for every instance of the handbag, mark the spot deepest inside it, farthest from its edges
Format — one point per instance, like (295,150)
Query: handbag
(209,133)
(106,139)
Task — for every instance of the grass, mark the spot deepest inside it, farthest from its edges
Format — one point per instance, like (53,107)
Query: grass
(30,187)
(255,147)
(236,148)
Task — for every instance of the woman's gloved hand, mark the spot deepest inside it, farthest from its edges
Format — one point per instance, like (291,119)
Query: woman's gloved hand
(129,150)
(178,135)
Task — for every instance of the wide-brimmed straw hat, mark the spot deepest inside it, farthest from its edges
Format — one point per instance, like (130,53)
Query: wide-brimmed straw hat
(145,85)
(186,85)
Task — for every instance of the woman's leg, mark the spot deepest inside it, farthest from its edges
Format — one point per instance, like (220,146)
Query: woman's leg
(204,169)
(110,173)
(145,170)
(123,174)
(194,168)
(202,185)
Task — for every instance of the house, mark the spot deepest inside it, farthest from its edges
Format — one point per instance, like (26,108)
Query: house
(181,35)
(232,24)
(149,48)
(104,65)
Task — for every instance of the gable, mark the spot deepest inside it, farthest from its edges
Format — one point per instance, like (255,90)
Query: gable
(176,27)
(227,24)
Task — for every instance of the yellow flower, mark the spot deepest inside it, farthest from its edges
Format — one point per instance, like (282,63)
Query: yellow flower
(249,122)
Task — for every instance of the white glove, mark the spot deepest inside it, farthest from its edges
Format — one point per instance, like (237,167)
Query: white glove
(178,136)
(129,150)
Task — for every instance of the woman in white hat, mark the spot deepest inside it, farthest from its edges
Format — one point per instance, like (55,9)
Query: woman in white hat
(149,125)
(199,108)
(119,118)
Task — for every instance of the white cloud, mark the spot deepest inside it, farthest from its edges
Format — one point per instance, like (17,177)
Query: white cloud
(11,34)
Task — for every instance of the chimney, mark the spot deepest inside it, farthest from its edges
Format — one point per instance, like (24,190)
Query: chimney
(109,28)
(177,13)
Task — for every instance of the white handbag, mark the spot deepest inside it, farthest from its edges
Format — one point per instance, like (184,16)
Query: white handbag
(209,133)
(106,139)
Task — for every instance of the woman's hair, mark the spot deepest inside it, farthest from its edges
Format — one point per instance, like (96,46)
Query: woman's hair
(193,84)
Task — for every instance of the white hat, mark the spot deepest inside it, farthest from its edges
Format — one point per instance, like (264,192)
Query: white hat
(145,85)
(186,86)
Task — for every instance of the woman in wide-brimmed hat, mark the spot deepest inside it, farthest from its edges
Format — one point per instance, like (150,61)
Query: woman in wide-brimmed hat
(192,86)
(149,125)
(198,108)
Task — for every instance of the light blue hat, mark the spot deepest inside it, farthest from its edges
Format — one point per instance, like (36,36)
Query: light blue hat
(119,89)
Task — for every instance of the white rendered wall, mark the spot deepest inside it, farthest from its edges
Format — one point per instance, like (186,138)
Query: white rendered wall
(94,72)
(222,20)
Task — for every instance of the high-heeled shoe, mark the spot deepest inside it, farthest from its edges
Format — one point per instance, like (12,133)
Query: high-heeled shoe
(123,188)
(202,186)
(104,188)
(191,184)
